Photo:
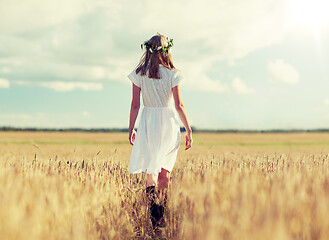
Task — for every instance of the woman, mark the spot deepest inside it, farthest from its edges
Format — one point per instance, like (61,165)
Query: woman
(157,140)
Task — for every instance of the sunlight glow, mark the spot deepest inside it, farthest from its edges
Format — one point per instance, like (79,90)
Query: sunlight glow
(312,14)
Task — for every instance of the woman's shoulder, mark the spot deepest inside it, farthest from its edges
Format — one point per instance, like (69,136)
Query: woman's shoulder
(171,71)
(137,73)
(135,77)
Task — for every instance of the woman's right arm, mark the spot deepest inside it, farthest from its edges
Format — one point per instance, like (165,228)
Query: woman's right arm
(182,114)
(135,103)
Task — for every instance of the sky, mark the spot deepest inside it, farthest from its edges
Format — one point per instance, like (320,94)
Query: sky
(256,64)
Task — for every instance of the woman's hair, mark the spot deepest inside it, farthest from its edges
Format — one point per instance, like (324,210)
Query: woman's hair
(151,59)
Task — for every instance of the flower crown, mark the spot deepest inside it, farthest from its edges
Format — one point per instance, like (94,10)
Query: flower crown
(152,49)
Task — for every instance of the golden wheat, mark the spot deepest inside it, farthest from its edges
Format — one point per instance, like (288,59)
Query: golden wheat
(228,186)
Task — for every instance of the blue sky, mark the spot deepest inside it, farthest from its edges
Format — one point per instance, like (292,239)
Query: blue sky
(247,64)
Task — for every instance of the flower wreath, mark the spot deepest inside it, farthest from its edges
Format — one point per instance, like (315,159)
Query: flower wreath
(152,49)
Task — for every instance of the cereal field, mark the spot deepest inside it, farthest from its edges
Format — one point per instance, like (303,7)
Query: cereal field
(228,186)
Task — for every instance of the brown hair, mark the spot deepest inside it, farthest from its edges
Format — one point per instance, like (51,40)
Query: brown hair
(150,60)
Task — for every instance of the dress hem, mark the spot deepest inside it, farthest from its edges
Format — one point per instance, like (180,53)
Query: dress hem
(148,172)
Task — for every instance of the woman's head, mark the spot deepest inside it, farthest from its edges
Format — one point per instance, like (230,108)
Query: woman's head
(156,52)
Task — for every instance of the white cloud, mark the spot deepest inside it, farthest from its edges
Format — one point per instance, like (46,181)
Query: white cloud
(280,71)
(85,114)
(22,16)
(69,86)
(87,40)
(62,86)
(22,83)
(213,31)
(4,83)
(240,87)
(326,101)
(196,79)
(206,84)
(228,29)
(5,70)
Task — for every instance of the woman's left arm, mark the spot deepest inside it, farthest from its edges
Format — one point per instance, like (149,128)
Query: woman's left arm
(134,109)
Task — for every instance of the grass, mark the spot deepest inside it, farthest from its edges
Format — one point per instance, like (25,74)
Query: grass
(228,186)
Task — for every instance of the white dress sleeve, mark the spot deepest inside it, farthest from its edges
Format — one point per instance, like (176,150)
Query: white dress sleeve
(134,78)
(176,78)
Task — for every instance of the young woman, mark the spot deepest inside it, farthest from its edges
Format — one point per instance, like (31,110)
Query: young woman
(157,140)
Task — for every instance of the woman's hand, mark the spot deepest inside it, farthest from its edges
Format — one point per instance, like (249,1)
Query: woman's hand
(188,140)
(132,135)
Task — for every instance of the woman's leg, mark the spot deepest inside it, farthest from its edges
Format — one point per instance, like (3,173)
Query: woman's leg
(163,179)
(163,182)
(157,211)
(151,180)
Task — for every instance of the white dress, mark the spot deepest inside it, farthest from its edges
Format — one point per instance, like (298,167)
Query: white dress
(158,135)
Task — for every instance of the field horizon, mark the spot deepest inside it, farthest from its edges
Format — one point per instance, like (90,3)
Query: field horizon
(194,129)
